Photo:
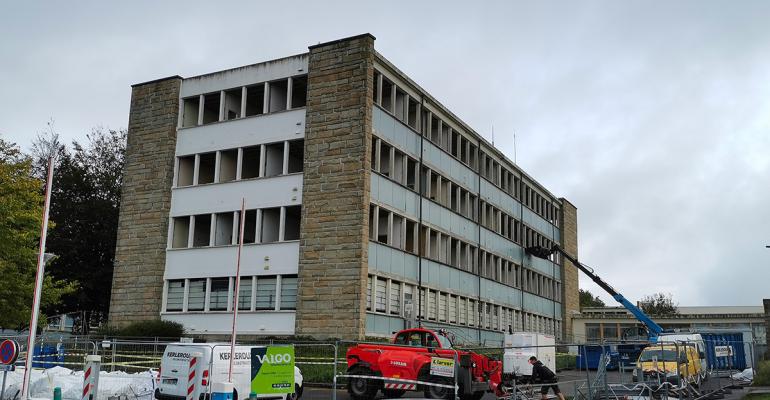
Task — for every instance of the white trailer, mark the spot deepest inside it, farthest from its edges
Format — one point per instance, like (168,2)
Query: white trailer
(520,346)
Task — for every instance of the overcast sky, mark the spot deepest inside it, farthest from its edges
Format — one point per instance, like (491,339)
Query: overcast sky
(653,118)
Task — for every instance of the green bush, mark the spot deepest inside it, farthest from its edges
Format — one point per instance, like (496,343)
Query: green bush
(762,374)
(565,361)
(144,329)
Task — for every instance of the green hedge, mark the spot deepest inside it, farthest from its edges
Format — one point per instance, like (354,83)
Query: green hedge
(565,361)
(144,329)
(762,374)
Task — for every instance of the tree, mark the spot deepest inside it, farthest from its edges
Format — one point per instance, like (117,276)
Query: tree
(85,205)
(21,207)
(587,299)
(659,304)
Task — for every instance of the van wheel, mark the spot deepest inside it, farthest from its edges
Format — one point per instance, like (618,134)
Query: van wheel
(297,393)
(235,394)
(361,388)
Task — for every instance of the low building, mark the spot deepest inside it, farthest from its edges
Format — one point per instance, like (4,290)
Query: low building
(616,323)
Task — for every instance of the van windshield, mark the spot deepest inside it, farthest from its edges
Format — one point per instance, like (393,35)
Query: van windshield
(658,354)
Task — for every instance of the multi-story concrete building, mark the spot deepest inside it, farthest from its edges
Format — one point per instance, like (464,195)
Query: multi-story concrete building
(369,206)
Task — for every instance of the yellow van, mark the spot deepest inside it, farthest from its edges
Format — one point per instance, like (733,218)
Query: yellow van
(661,363)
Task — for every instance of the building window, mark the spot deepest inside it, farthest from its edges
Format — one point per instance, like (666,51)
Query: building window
(369,293)
(185,171)
(181,232)
(255,99)
(299,91)
(244,293)
(250,162)
(380,295)
(266,287)
(206,166)
(387,95)
(409,304)
(228,164)
(383,227)
(431,305)
(249,226)
(223,233)
(274,159)
(271,221)
(293,216)
(196,295)
(175,295)
(202,230)
(442,307)
(296,154)
(232,104)
(218,294)
(211,108)
(190,110)
(288,292)
(593,332)
(472,312)
(395,298)
(610,331)
(278,92)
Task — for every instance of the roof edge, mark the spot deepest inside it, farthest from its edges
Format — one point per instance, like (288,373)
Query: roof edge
(342,40)
(157,80)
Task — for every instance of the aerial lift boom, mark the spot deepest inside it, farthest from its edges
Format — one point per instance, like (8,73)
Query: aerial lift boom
(653,329)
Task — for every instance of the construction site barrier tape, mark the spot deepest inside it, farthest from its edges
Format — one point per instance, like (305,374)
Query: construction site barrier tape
(382,378)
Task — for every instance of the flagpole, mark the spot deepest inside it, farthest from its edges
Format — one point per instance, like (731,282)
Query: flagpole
(38,281)
(242,218)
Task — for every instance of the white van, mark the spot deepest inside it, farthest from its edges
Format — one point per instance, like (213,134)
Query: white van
(212,367)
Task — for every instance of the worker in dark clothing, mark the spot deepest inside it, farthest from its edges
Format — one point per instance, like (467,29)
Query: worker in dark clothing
(541,374)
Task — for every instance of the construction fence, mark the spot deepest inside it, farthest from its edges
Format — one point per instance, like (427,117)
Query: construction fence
(609,370)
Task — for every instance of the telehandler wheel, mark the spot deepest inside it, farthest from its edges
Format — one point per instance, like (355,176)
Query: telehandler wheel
(436,392)
(361,388)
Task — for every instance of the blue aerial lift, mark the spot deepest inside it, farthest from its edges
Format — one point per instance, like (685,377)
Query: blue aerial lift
(653,329)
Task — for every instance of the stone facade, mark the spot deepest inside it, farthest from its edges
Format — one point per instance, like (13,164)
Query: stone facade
(766,303)
(571,303)
(137,282)
(336,190)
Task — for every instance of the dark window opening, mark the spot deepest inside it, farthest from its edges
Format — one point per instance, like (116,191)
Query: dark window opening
(255,100)
(211,108)
(299,91)
(296,155)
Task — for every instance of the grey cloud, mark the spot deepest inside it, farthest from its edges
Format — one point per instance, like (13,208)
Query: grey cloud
(651,117)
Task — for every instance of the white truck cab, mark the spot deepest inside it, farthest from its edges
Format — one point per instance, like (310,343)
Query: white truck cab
(213,366)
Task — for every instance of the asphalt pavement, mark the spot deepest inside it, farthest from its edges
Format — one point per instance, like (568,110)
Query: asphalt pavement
(569,382)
